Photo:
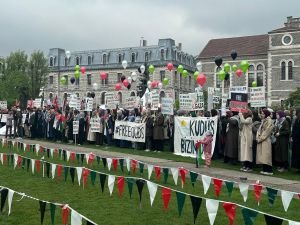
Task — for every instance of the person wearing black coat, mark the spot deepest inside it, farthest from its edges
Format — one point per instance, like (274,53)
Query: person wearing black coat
(296,142)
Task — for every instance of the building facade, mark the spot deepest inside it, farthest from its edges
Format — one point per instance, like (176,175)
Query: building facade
(274,60)
(110,61)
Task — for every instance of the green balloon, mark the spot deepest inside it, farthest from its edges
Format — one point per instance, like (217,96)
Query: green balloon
(151,69)
(77,68)
(77,74)
(196,75)
(185,73)
(63,80)
(180,69)
(166,81)
(244,66)
(222,75)
(226,67)
(254,84)
(234,68)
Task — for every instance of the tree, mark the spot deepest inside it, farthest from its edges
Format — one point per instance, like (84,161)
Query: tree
(293,99)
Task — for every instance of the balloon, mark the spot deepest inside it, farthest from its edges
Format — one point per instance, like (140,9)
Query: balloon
(103,75)
(68,54)
(199,66)
(234,68)
(201,79)
(95,86)
(124,64)
(123,78)
(149,86)
(93,94)
(226,67)
(160,85)
(244,66)
(153,84)
(254,84)
(125,82)
(128,86)
(221,74)
(185,73)
(227,76)
(63,80)
(72,80)
(77,68)
(196,75)
(134,76)
(82,69)
(233,54)
(180,69)
(170,66)
(142,68)
(77,74)
(149,83)
(239,72)
(151,69)
(88,94)
(129,80)
(118,87)
(166,81)
(218,61)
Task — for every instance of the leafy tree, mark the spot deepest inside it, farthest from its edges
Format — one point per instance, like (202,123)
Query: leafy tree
(293,99)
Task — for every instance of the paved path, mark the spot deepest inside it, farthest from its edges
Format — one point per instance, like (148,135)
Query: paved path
(234,175)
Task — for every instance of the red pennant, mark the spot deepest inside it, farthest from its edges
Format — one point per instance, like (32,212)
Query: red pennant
(85,175)
(298,194)
(230,210)
(59,169)
(4,157)
(218,186)
(182,172)
(19,161)
(38,165)
(133,164)
(72,156)
(166,195)
(157,171)
(115,164)
(28,147)
(121,182)
(65,214)
(257,191)
(91,158)
(56,152)
(42,149)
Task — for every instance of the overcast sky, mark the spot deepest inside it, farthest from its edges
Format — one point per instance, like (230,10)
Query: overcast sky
(95,24)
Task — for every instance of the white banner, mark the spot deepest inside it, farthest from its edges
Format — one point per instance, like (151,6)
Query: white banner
(88,104)
(130,103)
(257,97)
(3,104)
(95,125)
(167,106)
(75,127)
(238,89)
(189,130)
(129,131)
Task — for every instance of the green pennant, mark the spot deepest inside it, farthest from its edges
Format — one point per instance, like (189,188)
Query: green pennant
(141,165)
(98,159)
(93,177)
(59,153)
(4,193)
(104,162)
(28,164)
(194,177)
(48,169)
(72,174)
(12,160)
(52,212)
(89,223)
(272,193)
(130,182)
(82,158)
(249,216)
(140,185)
(102,180)
(23,163)
(121,162)
(166,174)
(196,203)
(229,186)
(77,157)
(42,210)
(66,171)
(270,220)
(180,201)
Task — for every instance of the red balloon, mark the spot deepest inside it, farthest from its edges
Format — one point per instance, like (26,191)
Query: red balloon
(118,86)
(239,72)
(170,66)
(201,79)
(153,84)
(125,82)
(103,75)
(82,69)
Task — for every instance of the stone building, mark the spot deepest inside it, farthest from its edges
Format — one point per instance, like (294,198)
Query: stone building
(274,60)
(110,61)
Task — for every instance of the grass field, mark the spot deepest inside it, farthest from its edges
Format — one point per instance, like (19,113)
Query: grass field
(103,209)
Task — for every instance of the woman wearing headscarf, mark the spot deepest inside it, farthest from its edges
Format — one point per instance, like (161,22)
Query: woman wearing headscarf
(296,142)
(264,145)
(255,126)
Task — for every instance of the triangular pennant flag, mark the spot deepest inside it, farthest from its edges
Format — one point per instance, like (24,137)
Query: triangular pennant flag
(229,186)
(48,153)
(37,149)
(38,165)
(257,191)
(121,162)
(193,177)
(286,198)
(150,169)
(59,169)
(141,165)
(65,214)
(66,172)
(89,223)
(48,169)
(230,209)
(68,153)
(15,160)
(87,158)
(52,212)
(293,222)
(182,172)
(42,210)
(121,182)
(175,174)
(73,156)
(133,164)
(78,157)
(10,197)
(196,203)
(64,155)
(130,182)
(98,159)
(72,174)
(115,164)
(152,188)
(32,165)
(110,183)
(206,180)
(23,162)
(180,201)
(109,161)
(53,168)
(82,158)
(212,207)
(140,185)
(1,158)
(104,161)
(244,190)
(218,185)
(59,153)
(79,173)
(4,193)
(93,177)
(102,180)
(249,216)
(166,174)
(76,218)
(85,175)
(128,164)
(270,220)
(157,172)
(51,152)
(91,157)
(272,193)
(166,196)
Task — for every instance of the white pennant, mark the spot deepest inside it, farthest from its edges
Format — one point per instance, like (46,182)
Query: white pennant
(37,149)
(10,197)
(32,165)
(152,187)
(212,207)
(206,180)
(13,143)
(110,182)
(15,160)
(3,142)
(53,168)
(175,174)
(293,222)
(109,161)
(76,218)
(51,152)
(150,169)
(24,146)
(244,190)
(1,158)
(128,164)
(286,198)
(68,153)
(79,173)
(87,158)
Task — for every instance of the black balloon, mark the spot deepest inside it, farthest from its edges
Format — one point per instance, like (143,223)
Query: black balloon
(93,94)
(227,76)
(88,94)
(139,69)
(123,78)
(233,54)
(72,80)
(218,61)
(128,86)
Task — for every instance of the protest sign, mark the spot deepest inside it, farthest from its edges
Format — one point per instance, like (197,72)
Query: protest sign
(154,101)
(199,102)
(187,101)
(88,104)
(257,97)
(111,100)
(238,98)
(167,106)
(75,127)
(130,103)
(3,104)
(74,102)
(95,125)
(37,103)
(129,131)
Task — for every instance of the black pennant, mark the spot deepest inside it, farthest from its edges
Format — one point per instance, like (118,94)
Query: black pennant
(72,173)
(42,210)
(121,162)
(98,159)
(89,223)
(48,152)
(28,164)
(196,203)
(104,162)
(4,194)
(102,180)
(270,220)
(140,185)
(82,158)
(48,169)
(130,182)
(59,152)
(64,155)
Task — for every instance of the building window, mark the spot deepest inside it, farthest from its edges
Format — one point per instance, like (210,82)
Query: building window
(119,77)
(103,98)
(175,77)
(105,82)
(51,61)
(290,70)
(120,58)
(180,81)
(104,59)
(251,75)
(218,81)
(51,80)
(66,61)
(77,60)
(283,70)
(89,79)
(120,97)
(162,54)
(77,81)
(190,82)
(260,75)
(132,94)
(89,60)
(162,75)
(133,57)
(67,80)
(146,56)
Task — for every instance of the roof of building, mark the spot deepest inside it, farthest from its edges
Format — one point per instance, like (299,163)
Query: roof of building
(285,29)
(247,45)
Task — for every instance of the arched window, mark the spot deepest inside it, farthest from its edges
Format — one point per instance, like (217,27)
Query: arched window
(132,94)
(290,70)
(104,59)
(89,60)
(103,98)
(120,97)
(260,75)
(162,54)
(251,75)
(283,70)
(162,95)
(120,58)
(77,60)
(218,80)
(51,61)
(133,57)
(146,56)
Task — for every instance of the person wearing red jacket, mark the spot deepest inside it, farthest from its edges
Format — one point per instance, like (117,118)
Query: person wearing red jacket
(207,142)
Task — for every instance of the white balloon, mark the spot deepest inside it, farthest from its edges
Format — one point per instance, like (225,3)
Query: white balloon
(134,76)
(199,66)
(142,68)
(149,83)
(95,86)
(160,85)
(149,86)
(68,54)
(124,64)
(129,80)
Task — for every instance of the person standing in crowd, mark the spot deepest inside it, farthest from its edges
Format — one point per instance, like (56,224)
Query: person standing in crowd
(110,126)
(149,130)
(246,140)
(255,126)
(9,123)
(282,134)
(158,131)
(232,139)
(124,143)
(19,122)
(264,145)
(81,132)
(69,123)
(217,150)
(32,123)
(51,119)
(171,133)
(207,142)
(91,137)
(224,122)
(296,141)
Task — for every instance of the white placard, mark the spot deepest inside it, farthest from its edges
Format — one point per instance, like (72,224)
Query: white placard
(88,104)
(130,103)
(3,104)
(37,103)
(167,106)
(111,100)
(238,89)
(188,101)
(74,102)
(3,118)
(95,125)
(154,101)
(199,104)
(129,131)
(257,97)
(75,127)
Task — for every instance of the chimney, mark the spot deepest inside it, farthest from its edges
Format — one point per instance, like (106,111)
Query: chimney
(144,43)
(180,46)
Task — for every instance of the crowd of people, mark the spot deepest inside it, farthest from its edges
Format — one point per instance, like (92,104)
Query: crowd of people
(266,138)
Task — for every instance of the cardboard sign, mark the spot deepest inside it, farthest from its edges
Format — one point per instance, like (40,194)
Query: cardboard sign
(257,97)
(167,106)
(74,102)
(75,127)
(135,132)
(111,100)
(238,99)
(199,104)
(88,104)
(130,103)
(3,104)
(154,101)
(187,101)
(95,125)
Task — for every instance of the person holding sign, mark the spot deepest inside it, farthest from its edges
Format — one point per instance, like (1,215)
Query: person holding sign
(158,131)
(207,142)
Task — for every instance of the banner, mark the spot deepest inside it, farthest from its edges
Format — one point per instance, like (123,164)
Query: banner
(130,103)
(189,130)
(111,100)
(95,125)
(75,127)
(3,104)
(167,106)
(257,97)
(129,131)
(88,104)
(238,98)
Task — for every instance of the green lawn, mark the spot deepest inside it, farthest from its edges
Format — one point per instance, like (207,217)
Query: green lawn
(103,209)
